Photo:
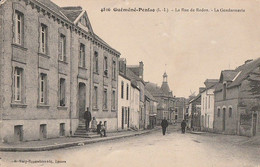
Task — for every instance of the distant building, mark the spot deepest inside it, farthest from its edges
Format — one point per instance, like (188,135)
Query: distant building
(151,110)
(180,109)
(207,105)
(237,100)
(195,113)
(165,99)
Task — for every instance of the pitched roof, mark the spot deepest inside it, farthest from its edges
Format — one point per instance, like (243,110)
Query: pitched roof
(72,12)
(210,82)
(154,89)
(165,88)
(245,69)
(52,6)
(149,95)
(130,74)
(228,75)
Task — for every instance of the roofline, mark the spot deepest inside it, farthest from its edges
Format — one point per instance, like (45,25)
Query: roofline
(79,16)
(71,25)
(2,2)
(124,76)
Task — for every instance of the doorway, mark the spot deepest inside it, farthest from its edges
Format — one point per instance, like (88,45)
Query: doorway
(18,133)
(81,100)
(123,116)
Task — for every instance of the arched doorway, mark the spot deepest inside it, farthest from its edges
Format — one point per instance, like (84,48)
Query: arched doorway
(81,100)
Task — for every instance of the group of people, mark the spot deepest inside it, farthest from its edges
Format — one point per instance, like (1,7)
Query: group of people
(164,125)
(99,128)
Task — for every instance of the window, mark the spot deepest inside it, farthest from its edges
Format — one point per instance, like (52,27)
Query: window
(105,99)
(82,56)
(206,103)
(113,100)
(218,112)
(62,92)
(224,91)
(105,66)
(43,39)
(96,62)
(18,84)
(127,92)
(114,70)
(122,89)
(209,101)
(230,112)
(141,95)
(62,48)
(176,117)
(18,28)
(95,97)
(126,115)
(43,88)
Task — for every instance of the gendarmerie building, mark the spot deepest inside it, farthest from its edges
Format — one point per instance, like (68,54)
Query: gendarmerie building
(52,67)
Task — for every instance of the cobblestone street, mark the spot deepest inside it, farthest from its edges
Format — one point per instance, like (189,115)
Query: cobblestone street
(174,149)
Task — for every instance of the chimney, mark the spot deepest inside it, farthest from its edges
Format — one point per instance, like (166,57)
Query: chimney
(247,61)
(141,70)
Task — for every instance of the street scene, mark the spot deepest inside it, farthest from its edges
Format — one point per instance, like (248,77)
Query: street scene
(129,83)
(173,149)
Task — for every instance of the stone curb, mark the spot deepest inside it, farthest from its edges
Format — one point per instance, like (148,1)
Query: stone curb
(71,144)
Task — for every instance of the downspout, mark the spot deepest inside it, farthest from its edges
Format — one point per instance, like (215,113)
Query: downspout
(1,74)
(70,114)
(90,76)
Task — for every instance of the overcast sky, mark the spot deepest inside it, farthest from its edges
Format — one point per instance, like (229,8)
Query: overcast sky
(194,45)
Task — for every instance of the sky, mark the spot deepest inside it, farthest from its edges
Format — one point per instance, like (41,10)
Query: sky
(190,46)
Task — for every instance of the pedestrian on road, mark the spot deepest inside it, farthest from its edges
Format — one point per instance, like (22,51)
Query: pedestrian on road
(164,125)
(183,126)
(87,117)
(94,124)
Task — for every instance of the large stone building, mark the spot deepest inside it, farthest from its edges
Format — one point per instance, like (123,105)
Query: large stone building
(52,67)
(163,95)
(237,101)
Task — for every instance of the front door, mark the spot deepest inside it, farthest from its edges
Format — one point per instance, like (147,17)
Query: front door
(18,133)
(224,119)
(81,100)
(254,123)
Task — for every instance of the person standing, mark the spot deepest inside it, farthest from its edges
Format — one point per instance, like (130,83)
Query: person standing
(99,127)
(94,124)
(87,117)
(164,125)
(183,126)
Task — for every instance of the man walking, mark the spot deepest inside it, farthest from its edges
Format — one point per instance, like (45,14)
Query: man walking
(183,126)
(164,125)
(87,117)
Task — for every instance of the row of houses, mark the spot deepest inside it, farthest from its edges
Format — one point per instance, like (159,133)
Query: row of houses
(230,104)
(53,67)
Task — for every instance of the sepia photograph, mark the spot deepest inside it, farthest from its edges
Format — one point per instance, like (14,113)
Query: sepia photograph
(129,83)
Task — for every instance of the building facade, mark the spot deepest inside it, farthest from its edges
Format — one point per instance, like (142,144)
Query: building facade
(163,95)
(53,67)
(207,105)
(134,106)
(124,100)
(237,100)
(135,73)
